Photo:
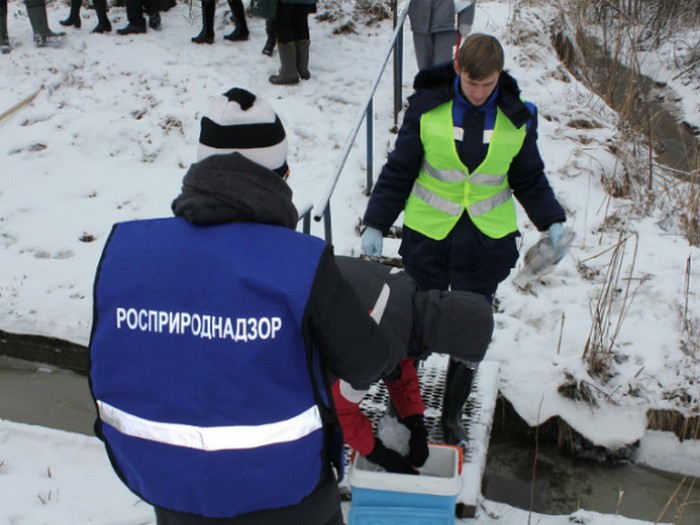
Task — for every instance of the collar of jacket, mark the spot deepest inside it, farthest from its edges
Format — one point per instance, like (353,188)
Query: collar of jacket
(440,82)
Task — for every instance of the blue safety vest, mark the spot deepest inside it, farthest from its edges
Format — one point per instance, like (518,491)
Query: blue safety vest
(199,369)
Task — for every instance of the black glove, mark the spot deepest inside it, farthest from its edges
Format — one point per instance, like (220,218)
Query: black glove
(418,442)
(390,460)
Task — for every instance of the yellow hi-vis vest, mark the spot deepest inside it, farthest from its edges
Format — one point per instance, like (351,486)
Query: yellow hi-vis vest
(444,187)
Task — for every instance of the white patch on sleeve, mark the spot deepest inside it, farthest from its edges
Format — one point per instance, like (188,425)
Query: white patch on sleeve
(349,393)
(380,304)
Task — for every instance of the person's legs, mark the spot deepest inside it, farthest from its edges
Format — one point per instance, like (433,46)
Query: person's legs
(271,42)
(103,23)
(206,35)
(152,8)
(423,47)
(444,44)
(241,31)
(36,11)
(134,14)
(478,264)
(4,36)
(74,15)
(300,27)
(288,73)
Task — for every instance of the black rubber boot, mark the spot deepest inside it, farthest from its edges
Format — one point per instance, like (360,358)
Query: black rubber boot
(206,36)
(5,46)
(271,42)
(103,23)
(303,59)
(74,16)
(458,385)
(43,36)
(288,59)
(241,31)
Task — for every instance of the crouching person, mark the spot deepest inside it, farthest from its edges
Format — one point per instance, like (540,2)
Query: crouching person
(214,336)
(459,324)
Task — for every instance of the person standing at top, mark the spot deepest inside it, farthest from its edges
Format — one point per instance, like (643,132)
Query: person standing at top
(215,335)
(437,26)
(240,31)
(293,40)
(467,145)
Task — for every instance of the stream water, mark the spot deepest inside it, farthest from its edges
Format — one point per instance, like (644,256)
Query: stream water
(562,485)
(56,398)
(646,104)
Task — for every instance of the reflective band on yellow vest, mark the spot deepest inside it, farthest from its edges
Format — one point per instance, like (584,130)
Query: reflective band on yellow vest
(445,188)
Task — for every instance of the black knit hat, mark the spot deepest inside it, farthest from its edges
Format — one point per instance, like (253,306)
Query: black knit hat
(238,121)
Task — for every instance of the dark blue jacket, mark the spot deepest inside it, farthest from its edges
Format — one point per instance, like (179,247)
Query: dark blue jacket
(437,85)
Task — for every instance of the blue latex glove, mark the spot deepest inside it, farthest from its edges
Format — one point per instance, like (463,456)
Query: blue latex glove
(556,233)
(372,240)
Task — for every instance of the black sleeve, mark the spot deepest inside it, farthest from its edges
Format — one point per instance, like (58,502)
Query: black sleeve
(348,340)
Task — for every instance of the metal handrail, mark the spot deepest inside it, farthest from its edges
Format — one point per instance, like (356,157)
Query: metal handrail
(304,212)
(322,208)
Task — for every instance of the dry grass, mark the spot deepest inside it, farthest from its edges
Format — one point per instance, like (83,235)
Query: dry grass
(624,28)
(614,299)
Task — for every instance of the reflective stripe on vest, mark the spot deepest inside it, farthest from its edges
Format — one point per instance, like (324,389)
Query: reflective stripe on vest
(444,187)
(211,438)
(199,366)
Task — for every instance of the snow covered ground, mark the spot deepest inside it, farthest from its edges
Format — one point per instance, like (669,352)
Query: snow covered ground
(114,127)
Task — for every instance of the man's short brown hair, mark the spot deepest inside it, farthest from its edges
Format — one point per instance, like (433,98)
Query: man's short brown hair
(480,55)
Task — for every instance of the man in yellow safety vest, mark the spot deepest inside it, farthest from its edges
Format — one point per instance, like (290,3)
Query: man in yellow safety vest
(467,145)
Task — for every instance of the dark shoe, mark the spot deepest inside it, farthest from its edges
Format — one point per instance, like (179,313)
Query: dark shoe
(154,22)
(237,35)
(269,47)
(103,23)
(103,27)
(203,38)
(71,21)
(131,29)
(5,47)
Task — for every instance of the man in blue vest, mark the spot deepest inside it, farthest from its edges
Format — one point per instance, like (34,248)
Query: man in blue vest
(215,335)
(467,145)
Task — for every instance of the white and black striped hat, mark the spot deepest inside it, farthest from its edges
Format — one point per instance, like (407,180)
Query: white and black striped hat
(238,121)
